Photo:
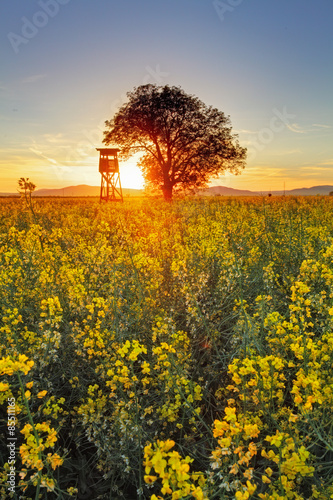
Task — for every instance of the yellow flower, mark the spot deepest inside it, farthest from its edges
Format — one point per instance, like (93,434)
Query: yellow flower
(26,430)
(251,431)
(55,460)
(41,394)
(220,427)
(242,496)
(251,488)
(198,493)
(145,367)
(3,387)
(230,414)
(47,483)
(269,471)
(166,487)
(177,494)
(234,469)
(9,366)
(150,479)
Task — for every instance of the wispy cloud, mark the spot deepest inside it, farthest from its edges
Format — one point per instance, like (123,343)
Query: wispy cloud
(326,162)
(319,125)
(35,150)
(294,127)
(55,138)
(59,155)
(33,78)
(245,131)
(287,152)
(316,169)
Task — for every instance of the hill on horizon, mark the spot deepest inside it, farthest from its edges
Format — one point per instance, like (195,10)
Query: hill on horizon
(75,191)
(83,190)
(227,191)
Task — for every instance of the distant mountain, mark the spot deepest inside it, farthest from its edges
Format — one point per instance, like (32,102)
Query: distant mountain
(312,191)
(85,190)
(82,190)
(226,191)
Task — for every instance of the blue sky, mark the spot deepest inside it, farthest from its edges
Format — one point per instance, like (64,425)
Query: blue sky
(67,65)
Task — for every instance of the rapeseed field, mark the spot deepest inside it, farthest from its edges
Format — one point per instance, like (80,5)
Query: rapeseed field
(167,351)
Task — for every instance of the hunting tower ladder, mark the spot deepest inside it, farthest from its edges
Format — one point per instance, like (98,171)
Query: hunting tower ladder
(109,169)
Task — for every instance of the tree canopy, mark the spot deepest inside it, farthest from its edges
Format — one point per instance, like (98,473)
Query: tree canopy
(183,141)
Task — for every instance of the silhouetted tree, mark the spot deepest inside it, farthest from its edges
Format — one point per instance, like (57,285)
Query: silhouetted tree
(183,141)
(26,188)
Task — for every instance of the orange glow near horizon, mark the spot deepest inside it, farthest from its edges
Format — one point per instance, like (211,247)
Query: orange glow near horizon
(53,171)
(56,175)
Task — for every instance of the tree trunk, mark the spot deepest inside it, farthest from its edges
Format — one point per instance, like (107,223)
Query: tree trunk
(167,192)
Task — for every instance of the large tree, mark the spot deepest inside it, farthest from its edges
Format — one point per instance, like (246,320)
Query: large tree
(184,142)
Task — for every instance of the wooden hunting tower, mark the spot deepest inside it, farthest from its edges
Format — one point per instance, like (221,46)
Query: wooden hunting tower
(109,169)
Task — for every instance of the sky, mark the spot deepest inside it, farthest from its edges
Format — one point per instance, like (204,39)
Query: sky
(66,66)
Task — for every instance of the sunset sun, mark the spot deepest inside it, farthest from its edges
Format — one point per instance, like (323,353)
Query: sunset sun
(131,176)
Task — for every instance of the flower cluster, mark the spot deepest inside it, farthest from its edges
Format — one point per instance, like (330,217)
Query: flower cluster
(233,459)
(38,438)
(173,471)
(203,326)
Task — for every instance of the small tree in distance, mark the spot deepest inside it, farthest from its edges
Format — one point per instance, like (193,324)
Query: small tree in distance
(183,141)
(26,188)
